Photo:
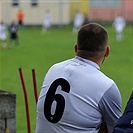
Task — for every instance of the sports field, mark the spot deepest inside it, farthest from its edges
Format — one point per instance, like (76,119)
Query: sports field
(39,51)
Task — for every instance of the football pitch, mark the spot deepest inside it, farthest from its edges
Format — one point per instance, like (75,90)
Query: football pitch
(39,51)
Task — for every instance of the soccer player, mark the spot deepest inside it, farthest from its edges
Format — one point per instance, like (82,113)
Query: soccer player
(3,34)
(47,21)
(13,30)
(76,97)
(119,24)
(78,21)
(20,17)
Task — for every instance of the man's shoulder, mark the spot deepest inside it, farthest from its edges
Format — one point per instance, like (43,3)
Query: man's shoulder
(61,63)
(104,78)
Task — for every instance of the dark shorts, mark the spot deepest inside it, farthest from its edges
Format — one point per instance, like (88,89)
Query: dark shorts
(20,22)
(13,36)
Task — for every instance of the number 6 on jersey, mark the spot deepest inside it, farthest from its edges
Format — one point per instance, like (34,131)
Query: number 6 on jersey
(60,101)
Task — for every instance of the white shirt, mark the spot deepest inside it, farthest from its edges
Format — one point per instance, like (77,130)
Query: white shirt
(76,97)
(2,32)
(119,23)
(47,20)
(78,21)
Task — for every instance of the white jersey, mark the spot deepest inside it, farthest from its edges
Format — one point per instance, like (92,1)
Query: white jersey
(2,32)
(119,24)
(76,97)
(78,21)
(47,20)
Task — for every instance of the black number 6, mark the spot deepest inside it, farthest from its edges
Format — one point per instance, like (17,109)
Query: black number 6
(51,97)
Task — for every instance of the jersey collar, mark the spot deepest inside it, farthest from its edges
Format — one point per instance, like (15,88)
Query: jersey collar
(88,62)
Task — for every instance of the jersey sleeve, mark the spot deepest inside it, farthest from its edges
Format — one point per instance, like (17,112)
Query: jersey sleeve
(110,106)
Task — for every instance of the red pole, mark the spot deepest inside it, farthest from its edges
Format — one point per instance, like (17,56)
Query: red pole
(35,85)
(26,100)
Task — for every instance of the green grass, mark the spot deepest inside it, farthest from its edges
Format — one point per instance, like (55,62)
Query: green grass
(39,51)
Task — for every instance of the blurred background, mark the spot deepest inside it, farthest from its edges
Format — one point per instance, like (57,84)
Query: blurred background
(63,11)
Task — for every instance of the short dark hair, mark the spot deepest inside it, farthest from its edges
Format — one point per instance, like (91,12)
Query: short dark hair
(92,38)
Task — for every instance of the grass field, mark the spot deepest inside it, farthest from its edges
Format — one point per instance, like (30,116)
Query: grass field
(39,51)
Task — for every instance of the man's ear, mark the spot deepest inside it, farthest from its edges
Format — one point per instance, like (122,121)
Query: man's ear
(75,48)
(107,51)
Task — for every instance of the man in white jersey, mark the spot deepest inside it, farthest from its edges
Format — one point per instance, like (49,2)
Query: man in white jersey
(3,34)
(76,97)
(119,24)
(78,21)
(47,21)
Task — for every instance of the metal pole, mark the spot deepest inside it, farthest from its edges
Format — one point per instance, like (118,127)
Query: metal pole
(26,100)
(35,85)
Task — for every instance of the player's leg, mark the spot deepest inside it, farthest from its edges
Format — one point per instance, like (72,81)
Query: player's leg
(3,41)
(44,28)
(16,39)
(4,44)
(11,39)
